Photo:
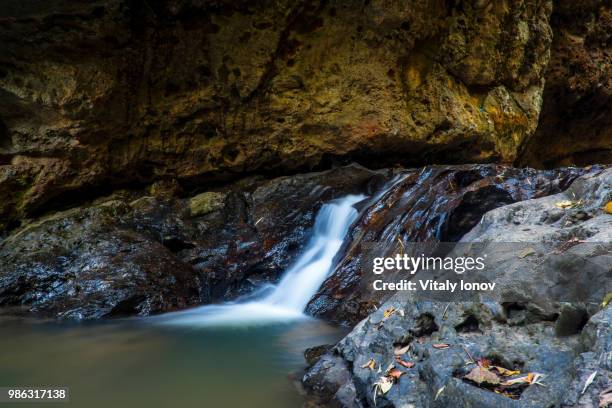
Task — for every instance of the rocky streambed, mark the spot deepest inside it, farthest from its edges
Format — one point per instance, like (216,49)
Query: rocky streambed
(148,251)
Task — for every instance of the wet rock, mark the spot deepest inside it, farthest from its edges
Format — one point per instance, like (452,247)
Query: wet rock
(570,253)
(429,205)
(436,379)
(99,95)
(82,265)
(205,203)
(135,254)
(330,381)
(313,354)
(548,338)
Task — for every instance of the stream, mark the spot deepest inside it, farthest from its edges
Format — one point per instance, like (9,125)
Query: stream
(236,354)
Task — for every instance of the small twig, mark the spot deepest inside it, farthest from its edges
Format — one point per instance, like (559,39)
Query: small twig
(468,354)
(445,310)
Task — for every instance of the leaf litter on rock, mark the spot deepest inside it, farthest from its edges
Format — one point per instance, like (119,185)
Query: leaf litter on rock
(605,398)
(501,380)
(371,364)
(406,364)
(440,346)
(399,351)
(589,381)
(385,382)
(482,376)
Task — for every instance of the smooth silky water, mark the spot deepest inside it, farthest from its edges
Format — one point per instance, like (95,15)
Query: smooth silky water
(240,354)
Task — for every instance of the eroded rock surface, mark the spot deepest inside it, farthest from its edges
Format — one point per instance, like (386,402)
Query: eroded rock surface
(107,93)
(130,254)
(536,336)
(428,205)
(436,379)
(575,125)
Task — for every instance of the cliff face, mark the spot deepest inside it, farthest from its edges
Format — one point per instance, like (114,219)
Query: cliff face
(575,126)
(110,93)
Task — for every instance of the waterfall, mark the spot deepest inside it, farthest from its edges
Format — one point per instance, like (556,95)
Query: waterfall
(299,283)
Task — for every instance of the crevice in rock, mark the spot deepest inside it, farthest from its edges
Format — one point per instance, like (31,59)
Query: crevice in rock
(6,143)
(469,325)
(425,325)
(176,244)
(472,208)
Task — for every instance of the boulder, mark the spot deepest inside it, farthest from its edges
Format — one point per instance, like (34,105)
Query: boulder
(435,204)
(565,342)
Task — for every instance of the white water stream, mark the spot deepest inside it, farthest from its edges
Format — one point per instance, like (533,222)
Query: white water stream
(288,299)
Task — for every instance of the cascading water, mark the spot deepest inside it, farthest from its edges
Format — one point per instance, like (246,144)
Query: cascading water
(289,298)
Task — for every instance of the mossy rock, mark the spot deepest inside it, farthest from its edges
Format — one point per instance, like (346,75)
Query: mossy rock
(206,203)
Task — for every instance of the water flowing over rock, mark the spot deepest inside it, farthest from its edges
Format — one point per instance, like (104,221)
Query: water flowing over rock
(544,337)
(432,204)
(69,264)
(132,254)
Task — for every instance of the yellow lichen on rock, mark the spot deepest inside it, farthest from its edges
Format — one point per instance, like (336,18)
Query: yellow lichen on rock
(205,203)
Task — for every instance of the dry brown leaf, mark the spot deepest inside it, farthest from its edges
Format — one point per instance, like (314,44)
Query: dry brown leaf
(563,204)
(606,300)
(395,373)
(481,375)
(407,364)
(483,362)
(389,312)
(605,398)
(440,346)
(531,378)
(371,364)
(382,386)
(568,204)
(504,371)
(526,252)
(401,350)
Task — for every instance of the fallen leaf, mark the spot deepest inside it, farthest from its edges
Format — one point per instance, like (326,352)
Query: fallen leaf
(531,378)
(589,381)
(526,252)
(371,364)
(483,362)
(439,392)
(569,204)
(505,372)
(564,204)
(395,373)
(481,375)
(440,346)
(389,312)
(605,398)
(383,385)
(401,350)
(608,207)
(606,300)
(407,364)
